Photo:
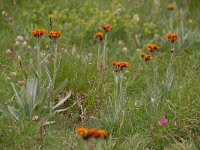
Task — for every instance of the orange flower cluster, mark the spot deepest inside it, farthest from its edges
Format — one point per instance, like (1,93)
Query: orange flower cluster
(172,37)
(38,32)
(146,57)
(120,65)
(99,36)
(152,47)
(54,34)
(86,134)
(107,27)
(170,7)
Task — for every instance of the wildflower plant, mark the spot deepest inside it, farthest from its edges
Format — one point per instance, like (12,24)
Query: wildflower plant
(37,33)
(153,88)
(172,38)
(107,29)
(28,99)
(99,38)
(102,55)
(113,117)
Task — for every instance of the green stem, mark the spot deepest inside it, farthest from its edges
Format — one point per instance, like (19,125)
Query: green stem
(98,57)
(147,77)
(55,63)
(39,65)
(121,101)
(104,52)
(116,80)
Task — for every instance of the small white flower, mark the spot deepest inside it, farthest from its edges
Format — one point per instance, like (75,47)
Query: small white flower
(29,47)
(136,17)
(24,44)
(125,49)
(120,42)
(8,78)
(4,13)
(16,43)
(13,73)
(138,50)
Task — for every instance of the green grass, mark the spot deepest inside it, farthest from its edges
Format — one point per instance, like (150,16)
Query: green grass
(78,21)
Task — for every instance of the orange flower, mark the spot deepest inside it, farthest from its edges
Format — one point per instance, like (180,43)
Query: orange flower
(142,54)
(172,37)
(38,32)
(107,27)
(82,131)
(54,34)
(126,64)
(146,57)
(152,47)
(101,134)
(120,65)
(170,7)
(90,133)
(99,36)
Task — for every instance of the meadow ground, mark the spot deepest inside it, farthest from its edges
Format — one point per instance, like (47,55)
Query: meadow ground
(52,85)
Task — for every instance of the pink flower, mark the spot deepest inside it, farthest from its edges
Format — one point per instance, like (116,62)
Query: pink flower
(21,83)
(20,38)
(10,52)
(163,121)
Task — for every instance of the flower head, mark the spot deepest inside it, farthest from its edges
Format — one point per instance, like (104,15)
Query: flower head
(172,37)
(163,121)
(38,32)
(54,34)
(21,83)
(170,7)
(152,47)
(145,57)
(86,134)
(148,57)
(20,38)
(82,131)
(119,66)
(35,118)
(90,133)
(99,36)
(142,54)
(107,27)
(101,134)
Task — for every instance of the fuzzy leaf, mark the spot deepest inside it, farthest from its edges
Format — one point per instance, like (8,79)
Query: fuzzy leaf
(58,90)
(61,110)
(14,112)
(19,101)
